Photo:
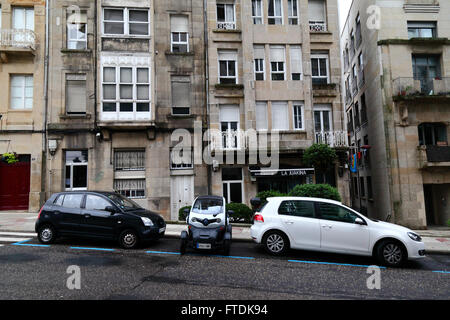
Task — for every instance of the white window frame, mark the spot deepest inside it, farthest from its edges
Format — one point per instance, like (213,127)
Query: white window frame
(274,12)
(235,110)
(275,72)
(23,87)
(15,9)
(134,100)
(321,108)
(179,42)
(295,14)
(260,8)
(72,164)
(228,184)
(321,56)
(180,79)
(296,105)
(220,76)
(126,22)
(227,24)
(75,25)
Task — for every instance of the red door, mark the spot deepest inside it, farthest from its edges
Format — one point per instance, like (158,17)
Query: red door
(14,186)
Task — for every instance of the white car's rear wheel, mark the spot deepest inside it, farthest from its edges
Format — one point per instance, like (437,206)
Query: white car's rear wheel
(276,243)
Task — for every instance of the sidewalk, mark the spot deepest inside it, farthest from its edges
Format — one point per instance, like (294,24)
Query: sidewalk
(436,240)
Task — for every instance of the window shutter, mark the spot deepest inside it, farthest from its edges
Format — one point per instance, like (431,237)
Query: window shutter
(75,96)
(296,59)
(179,24)
(280,116)
(229,113)
(227,55)
(316,10)
(261,116)
(180,94)
(258,52)
(277,54)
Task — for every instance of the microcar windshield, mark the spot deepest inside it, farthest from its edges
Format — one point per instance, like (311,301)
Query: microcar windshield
(208,206)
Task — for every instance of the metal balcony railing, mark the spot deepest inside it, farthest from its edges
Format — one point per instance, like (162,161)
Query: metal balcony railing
(361,79)
(433,156)
(318,26)
(228,140)
(226,25)
(437,86)
(335,139)
(18,38)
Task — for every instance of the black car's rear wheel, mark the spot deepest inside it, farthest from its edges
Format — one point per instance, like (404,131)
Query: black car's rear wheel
(46,234)
(128,239)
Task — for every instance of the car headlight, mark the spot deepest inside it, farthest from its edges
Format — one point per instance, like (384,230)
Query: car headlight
(414,236)
(147,222)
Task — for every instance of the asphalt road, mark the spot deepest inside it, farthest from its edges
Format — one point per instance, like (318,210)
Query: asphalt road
(157,271)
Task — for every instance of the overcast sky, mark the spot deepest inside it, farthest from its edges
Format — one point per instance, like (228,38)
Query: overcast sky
(344,6)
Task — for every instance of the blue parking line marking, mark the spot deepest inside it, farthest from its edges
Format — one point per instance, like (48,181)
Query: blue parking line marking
(232,257)
(163,252)
(442,271)
(22,243)
(334,263)
(87,248)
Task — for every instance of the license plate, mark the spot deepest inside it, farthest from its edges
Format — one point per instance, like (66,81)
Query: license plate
(162,230)
(203,246)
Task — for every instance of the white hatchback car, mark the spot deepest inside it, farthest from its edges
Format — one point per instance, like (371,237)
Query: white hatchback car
(327,225)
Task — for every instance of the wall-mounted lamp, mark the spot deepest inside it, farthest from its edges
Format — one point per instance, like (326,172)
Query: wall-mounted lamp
(52,146)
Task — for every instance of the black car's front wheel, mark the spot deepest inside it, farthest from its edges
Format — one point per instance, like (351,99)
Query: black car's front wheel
(46,234)
(128,239)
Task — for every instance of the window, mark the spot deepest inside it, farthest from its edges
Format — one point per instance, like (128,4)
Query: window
(23,18)
(363,109)
(334,212)
(130,188)
(298,116)
(258,52)
(21,92)
(261,116)
(357,121)
(72,201)
(180,36)
(426,68)
(317,17)
(322,118)
(296,62)
(129,160)
(96,203)
(304,209)
(227,67)
(257,12)
(124,21)
(319,65)
(126,89)
(76,94)
(355,185)
(421,29)
(129,173)
(358,31)
(432,134)
(181,159)
(369,188)
(277,63)
(232,185)
(76,170)
(293,12)
(181,92)
(362,187)
(77,30)
(275,12)
(225,16)
(280,117)
(229,123)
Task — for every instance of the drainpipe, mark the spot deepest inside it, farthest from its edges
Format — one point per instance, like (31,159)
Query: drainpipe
(46,67)
(205,23)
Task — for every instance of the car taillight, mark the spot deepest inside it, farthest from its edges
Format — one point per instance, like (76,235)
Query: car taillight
(39,215)
(258,218)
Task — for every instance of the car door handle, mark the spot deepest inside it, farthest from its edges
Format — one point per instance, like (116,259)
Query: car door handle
(327,226)
(87,216)
(289,222)
(57,212)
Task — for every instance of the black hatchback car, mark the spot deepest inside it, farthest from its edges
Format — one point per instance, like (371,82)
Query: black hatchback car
(102,215)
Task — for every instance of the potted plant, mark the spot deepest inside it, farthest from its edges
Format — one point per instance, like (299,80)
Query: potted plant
(10,158)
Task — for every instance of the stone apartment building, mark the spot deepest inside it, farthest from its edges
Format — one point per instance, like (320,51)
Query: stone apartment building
(274,68)
(22,102)
(118,71)
(397,90)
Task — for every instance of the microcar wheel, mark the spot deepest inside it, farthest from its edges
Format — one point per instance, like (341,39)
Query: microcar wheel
(391,253)
(46,234)
(276,243)
(226,247)
(128,239)
(183,246)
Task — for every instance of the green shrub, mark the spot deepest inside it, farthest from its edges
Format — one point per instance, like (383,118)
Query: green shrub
(242,213)
(263,195)
(181,215)
(324,191)
(448,223)
(320,157)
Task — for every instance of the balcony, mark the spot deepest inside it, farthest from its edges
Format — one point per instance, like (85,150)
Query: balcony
(334,139)
(410,88)
(17,41)
(318,26)
(228,140)
(433,156)
(226,25)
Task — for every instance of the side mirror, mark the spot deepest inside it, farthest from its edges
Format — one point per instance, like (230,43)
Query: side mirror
(111,209)
(230,212)
(360,221)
